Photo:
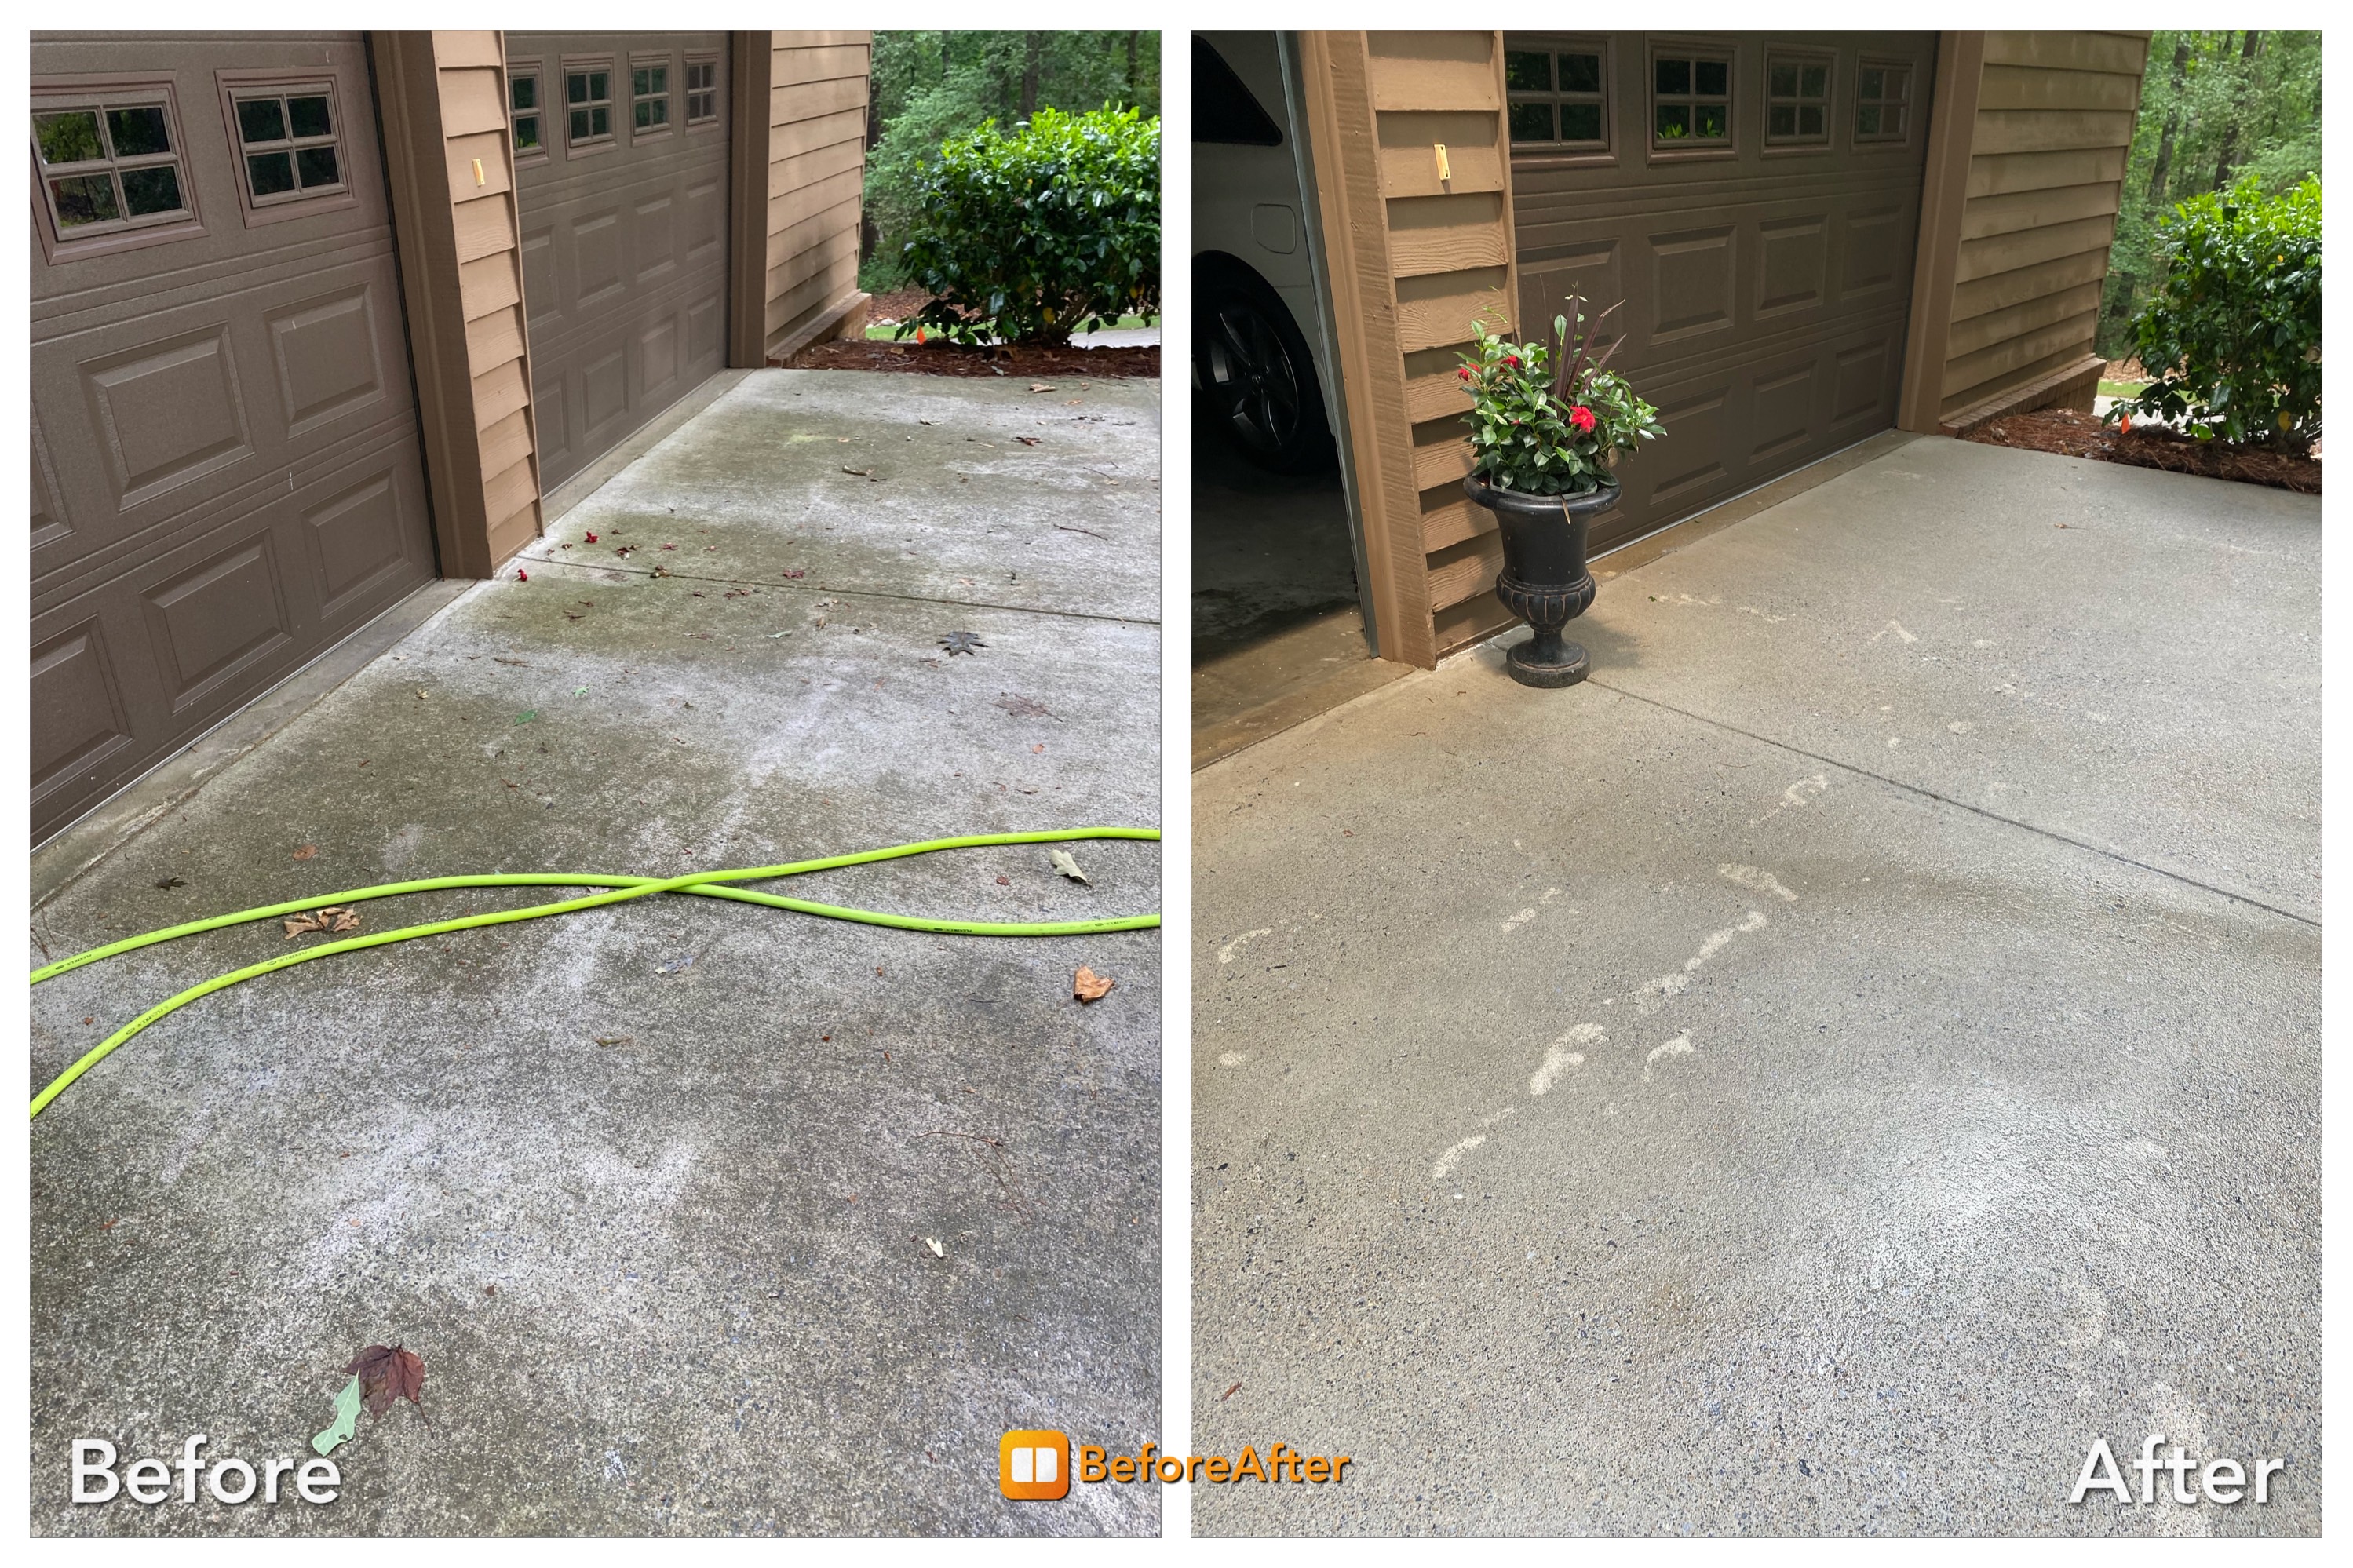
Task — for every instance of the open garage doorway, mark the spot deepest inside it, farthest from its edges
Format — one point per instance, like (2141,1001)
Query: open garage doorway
(1280,621)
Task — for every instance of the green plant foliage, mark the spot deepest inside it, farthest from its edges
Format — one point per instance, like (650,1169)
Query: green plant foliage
(1550,424)
(929,87)
(1050,230)
(2232,333)
(2215,107)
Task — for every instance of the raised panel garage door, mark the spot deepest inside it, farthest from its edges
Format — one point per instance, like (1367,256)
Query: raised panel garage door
(621,176)
(1754,198)
(224,468)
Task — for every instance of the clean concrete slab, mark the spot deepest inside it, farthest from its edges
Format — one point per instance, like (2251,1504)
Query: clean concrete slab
(660,1232)
(1663,1108)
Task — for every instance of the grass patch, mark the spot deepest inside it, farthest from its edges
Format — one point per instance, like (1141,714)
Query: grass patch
(2122,388)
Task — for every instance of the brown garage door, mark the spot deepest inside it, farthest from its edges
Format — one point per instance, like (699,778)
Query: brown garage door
(224,464)
(621,173)
(1754,198)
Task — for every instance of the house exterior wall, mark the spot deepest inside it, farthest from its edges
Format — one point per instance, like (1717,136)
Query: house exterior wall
(442,97)
(2026,172)
(1415,256)
(797,176)
(798,187)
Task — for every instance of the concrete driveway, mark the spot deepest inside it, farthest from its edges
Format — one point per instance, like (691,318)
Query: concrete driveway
(659,1232)
(1815,1078)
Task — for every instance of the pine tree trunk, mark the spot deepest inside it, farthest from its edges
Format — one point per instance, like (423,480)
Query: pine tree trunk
(1029,75)
(2247,52)
(2172,124)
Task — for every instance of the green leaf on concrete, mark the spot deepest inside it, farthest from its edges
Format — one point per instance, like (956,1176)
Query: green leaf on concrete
(347,1419)
(526,716)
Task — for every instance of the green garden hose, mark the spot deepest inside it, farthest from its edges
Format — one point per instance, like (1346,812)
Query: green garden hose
(708,884)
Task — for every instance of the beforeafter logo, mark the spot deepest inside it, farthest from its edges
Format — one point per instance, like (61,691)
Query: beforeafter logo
(1034,1465)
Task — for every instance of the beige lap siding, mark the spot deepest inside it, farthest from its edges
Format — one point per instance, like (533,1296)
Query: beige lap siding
(444,102)
(797,271)
(2053,122)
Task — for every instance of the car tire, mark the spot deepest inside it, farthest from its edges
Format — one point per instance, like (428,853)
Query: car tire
(1255,373)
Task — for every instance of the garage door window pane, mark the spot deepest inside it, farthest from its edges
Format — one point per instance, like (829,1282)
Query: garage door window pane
(137,133)
(84,199)
(108,165)
(149,191)
(69,138)
(261,119)
(309,117)
(270,173)
(1556,99)
(1691,102)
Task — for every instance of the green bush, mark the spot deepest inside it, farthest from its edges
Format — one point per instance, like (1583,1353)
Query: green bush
(1031,236)
(2232,335)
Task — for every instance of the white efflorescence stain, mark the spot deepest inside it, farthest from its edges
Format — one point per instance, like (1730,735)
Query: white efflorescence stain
(1232,1058)
(1757,877)
(1680,1046)
(1654,994)
(1227,953)
(1453,1156)
(1524,916)
(1563,1055)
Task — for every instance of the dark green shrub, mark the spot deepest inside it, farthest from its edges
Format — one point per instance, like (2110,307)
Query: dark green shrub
(1050,230)
(2232,335)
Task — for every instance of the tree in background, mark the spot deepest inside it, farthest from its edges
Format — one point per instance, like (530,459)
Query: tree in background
(928,87)
(2215,108)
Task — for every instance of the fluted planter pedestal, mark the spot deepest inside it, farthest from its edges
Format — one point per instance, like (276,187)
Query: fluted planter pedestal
(1545,580)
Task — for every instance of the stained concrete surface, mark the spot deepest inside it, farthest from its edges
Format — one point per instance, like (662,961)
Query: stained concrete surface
(1270,551)
(700,1196)
(1664,1107)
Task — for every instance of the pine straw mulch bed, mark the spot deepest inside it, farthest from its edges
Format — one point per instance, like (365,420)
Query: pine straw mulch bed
(2074,435)
(946,359)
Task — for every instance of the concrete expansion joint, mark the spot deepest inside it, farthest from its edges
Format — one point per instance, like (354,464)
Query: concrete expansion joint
(1912,789)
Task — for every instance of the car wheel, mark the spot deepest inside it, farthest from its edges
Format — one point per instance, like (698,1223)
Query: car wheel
(1257,374)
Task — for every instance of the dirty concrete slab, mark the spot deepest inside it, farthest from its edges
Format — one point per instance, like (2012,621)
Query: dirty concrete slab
(1609,1120)
(965,491)
(701,1197)
(2129,657)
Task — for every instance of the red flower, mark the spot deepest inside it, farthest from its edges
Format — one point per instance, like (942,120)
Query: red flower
(1511,360)
(521,575)
(1582,417)
(1464,372)
(592,539)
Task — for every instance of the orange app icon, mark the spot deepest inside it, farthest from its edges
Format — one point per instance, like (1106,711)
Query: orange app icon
(1034,1465)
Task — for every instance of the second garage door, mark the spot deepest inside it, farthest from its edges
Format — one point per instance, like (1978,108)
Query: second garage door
(1754,199)
(621,177)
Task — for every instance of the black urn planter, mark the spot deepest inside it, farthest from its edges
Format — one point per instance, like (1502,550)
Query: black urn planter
(1545,580)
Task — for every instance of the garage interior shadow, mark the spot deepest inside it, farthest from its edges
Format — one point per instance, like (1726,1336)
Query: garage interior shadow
(1278,634)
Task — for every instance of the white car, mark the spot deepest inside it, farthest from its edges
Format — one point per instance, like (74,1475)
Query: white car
(1254,310)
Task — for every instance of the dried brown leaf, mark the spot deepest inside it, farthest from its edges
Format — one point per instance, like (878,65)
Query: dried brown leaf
(1088,986)
(388,1373)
